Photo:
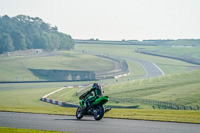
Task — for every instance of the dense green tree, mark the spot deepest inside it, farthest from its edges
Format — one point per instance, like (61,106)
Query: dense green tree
(18,40)
(27,32)
(38,42)
(6,24)
(6,44)
(29,43)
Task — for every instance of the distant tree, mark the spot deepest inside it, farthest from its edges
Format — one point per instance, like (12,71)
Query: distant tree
(46,27)
(54,28)
(29,43)
(18,40)
(38,42)
(6,24)
(27,32)
(46,41)
(6,43)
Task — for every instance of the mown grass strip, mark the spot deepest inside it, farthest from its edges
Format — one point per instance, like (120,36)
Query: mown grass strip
(182,89)
(21,130)
(57,110)
(186,116)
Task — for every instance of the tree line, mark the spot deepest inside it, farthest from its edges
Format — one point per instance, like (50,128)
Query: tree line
(25,32)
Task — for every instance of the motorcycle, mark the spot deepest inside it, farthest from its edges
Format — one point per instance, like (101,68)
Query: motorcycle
(95,108)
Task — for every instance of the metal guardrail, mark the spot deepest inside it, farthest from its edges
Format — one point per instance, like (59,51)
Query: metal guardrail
(122,66)
(182,58)
(157,104)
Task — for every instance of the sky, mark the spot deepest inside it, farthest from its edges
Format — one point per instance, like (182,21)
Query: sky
(114,19)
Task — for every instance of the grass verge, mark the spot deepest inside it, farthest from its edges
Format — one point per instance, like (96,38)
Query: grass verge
(57,110)
(21,130)
(186,116)
(182,89)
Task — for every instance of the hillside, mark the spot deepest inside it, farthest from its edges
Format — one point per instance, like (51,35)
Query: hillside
(166,91)
(19,68)
(186,53)
(180,89)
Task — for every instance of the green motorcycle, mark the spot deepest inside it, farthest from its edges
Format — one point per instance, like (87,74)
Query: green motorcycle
(95,108)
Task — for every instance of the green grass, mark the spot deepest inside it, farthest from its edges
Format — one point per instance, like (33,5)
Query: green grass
(169,66)
(27,94)
(17,67)
(156,115)
(196,55)
(69,61)
(20,130)
(175,51)
(135,69)
(180,51)
(182,89)
(171,69)
(66,95)
(54,109)
(25,98)
(172,50)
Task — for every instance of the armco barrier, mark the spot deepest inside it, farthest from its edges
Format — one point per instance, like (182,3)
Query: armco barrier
(45,99)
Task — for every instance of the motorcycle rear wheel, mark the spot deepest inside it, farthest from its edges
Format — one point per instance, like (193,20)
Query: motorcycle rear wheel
(98,112)
(79,114)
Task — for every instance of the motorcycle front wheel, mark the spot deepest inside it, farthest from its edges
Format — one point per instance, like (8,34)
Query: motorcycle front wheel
(98,112)
(79,113)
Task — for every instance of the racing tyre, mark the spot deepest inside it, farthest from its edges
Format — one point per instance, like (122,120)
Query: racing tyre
(79,114)
(98,113)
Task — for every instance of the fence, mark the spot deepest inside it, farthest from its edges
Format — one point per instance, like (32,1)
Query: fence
(177,107)
(186,58)
(156,104)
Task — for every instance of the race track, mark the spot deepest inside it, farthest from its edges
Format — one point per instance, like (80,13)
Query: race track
(151,69)
(88,124)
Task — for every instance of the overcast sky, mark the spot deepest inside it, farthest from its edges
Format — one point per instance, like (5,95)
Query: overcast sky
(114,19)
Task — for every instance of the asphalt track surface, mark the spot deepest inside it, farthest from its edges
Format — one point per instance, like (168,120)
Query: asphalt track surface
(151,69)
(88,124)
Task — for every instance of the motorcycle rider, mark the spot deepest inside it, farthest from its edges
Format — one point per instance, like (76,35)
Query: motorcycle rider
(98,92)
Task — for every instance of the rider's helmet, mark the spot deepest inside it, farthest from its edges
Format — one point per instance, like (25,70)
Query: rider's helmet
(95,85)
